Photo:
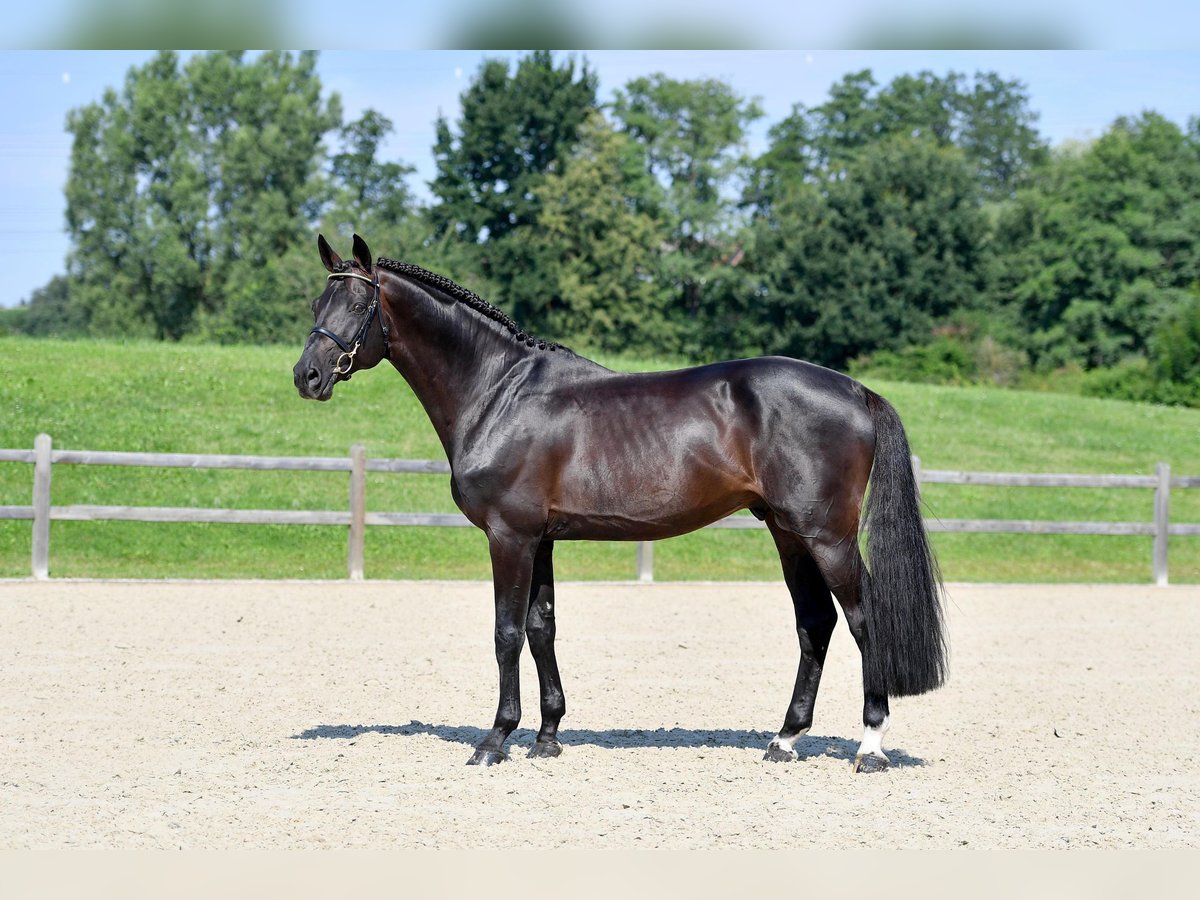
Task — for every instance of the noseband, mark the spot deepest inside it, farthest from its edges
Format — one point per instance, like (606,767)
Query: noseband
(346,361)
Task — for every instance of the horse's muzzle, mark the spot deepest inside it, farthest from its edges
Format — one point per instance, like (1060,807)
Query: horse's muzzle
(311,384)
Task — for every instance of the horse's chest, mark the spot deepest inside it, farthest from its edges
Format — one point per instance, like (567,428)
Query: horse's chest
(482,491)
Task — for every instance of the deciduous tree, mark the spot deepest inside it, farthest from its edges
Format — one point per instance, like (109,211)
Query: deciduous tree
(693,136)
(599,249)
(187,185)
(1105,244)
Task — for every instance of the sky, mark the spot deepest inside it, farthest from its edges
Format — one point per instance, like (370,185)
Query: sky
(1077,94)
(766,24)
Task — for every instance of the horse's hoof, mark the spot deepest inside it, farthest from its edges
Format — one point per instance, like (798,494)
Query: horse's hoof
(545,750)
(779,753)
(871,762)
(486,758)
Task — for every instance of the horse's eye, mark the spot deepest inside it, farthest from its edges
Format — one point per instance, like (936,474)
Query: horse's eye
(358,308)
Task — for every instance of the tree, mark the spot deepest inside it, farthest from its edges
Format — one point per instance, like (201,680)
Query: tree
(599,249)
(986,117)
(264,123)
(845,123)
(869,226)
(873,259)
(692,134)
(999,134)
(188,182)
(132,207)
(513,128)
(371,197)
(1104,244)
(51,311)
(790,161)
(372,194)
(1175,348)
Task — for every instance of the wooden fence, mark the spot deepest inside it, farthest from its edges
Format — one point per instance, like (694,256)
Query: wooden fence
(356,517)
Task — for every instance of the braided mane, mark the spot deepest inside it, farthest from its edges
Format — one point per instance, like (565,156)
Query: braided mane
(469,298)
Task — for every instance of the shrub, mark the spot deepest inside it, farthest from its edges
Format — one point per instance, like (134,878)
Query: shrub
(12,320)
(950,358)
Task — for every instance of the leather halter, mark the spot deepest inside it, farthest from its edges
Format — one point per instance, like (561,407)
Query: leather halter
(349,351)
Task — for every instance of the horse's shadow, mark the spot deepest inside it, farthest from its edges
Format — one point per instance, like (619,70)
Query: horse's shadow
(469,736)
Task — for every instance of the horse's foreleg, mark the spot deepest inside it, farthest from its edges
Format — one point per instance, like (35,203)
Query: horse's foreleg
(512,571)
(539,625)
(815,620)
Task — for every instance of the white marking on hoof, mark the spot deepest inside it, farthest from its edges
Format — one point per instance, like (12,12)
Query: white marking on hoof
(787,743)
(872,743)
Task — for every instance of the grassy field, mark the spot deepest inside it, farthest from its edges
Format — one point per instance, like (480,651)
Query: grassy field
(203,399)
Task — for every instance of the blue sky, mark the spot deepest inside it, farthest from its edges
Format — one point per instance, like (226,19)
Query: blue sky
(1077,93)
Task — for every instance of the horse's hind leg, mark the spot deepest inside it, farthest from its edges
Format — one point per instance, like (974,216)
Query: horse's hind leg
(815,620)
(539,627)
(844,570)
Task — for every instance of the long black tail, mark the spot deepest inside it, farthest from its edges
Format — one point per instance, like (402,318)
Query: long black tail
(905,649)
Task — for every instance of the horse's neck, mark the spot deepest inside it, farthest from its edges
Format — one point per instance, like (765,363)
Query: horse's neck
(453,359)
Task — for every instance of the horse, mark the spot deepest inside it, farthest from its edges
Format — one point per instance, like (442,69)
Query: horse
(545,445)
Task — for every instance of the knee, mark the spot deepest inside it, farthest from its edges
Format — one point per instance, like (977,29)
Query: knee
(509,640)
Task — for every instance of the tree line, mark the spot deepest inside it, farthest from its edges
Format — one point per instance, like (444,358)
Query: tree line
(917,229)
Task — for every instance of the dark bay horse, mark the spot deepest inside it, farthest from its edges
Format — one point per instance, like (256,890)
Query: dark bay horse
(545,445)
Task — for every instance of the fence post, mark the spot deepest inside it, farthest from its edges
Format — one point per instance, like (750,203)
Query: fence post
(358,511)
(1162,513)
(916,470)
(41,506)
(645,561)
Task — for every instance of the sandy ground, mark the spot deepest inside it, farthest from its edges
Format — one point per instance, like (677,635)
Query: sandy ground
(218,715)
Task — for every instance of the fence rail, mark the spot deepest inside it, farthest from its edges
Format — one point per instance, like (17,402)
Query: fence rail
(43,457)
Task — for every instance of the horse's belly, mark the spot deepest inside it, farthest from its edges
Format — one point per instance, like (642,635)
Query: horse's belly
(641,509)
(617,528)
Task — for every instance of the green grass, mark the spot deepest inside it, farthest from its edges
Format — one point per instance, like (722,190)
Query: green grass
(205,399)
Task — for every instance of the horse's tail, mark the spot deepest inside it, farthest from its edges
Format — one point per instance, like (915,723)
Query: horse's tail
(905,648)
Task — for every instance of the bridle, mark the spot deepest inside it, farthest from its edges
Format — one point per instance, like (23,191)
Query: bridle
(346,361)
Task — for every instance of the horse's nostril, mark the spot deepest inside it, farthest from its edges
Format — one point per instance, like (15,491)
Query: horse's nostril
(313,377)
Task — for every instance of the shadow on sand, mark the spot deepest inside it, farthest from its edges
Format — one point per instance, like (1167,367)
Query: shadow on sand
(616,739)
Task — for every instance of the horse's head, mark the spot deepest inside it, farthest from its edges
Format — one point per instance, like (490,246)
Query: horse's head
(350,331)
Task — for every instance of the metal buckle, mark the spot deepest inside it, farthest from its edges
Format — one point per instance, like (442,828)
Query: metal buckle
(349,361)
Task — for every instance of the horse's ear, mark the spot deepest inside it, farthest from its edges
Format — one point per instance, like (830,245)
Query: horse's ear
(331,259)
(362,253)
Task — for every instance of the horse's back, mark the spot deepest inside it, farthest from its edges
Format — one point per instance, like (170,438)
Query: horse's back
(776,378)
(772,397)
